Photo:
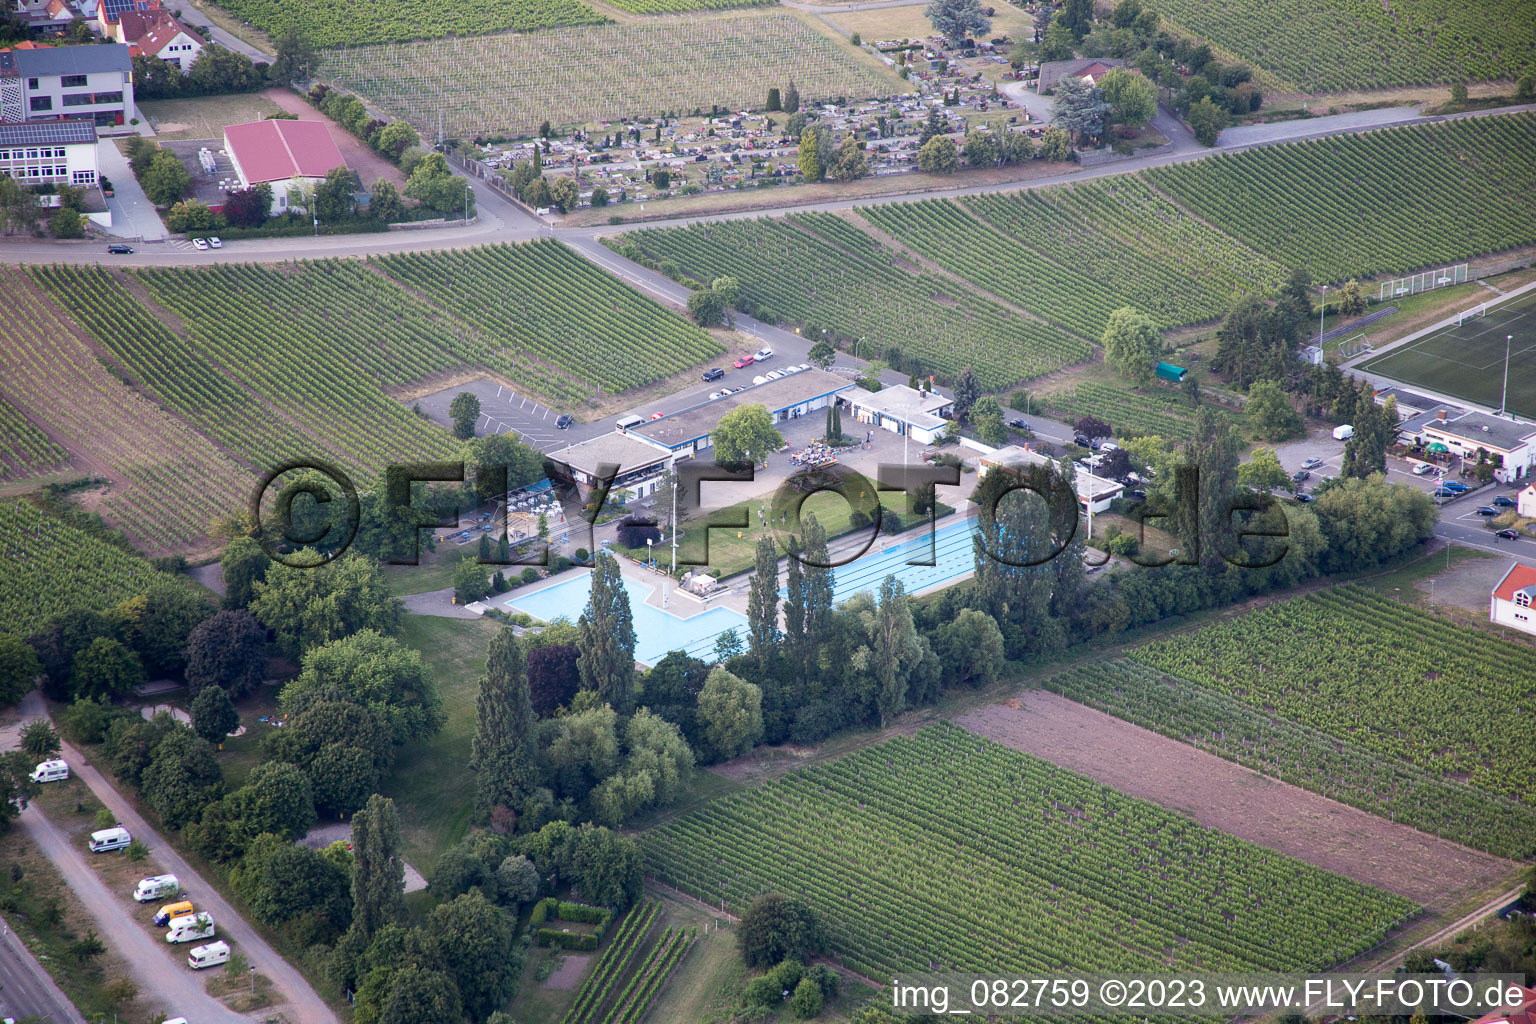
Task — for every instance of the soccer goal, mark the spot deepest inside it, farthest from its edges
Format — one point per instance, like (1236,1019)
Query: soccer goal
(1479,310)
(1427,281)
(1351,347)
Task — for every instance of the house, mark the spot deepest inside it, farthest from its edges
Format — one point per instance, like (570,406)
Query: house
(61,151)
(903,410)
(1089,68)
(1525,502)
(46,17)
(1513,601)
(283,154)
(157,33)
(48,82)
(1510,444)
(109,11)
(1522,1011)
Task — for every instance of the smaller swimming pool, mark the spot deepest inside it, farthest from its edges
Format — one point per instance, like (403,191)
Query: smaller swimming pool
(656,631)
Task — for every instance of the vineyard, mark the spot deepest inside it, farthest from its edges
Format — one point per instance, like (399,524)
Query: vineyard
(543,301)
(606,997)
(355,22)
(1371,671)
(1161,411)
(1337,44)
(673,6)
(25,450)
(47,568)
(171,482)
(949,852)
(601,73)
(1301,755)
(818,270)
(1123,235)
(1382,201)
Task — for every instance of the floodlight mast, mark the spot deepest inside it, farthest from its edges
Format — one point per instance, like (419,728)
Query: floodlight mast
(1504,397)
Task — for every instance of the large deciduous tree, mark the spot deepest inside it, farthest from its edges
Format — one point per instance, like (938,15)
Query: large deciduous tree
(473,939)
(213,714)
(376,672)
(1079,109)
(956,20)
(745,435)
(1132,345)
(306,607)
(1271,413)
(465,411)
(776,928)
(1132,99)
(730,715)
(228,651)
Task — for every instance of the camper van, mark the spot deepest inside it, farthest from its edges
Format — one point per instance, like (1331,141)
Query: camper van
(193,926)
(211,955)
(168,913)
(156,887)
(625,422)
(110,839)
(50,771)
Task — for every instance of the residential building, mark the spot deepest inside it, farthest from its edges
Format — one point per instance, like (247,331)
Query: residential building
(48,82)
(686,431)
(919,415)
(283,154)
(157,33)
(46,17)
(1525,502)
(1090,68)
(1521,1011)
(57,152)
(1513,601)
(108,11)
(1510,444)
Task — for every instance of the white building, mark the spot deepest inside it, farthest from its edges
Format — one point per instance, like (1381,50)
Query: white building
(1525,502)
(157,33)
(1513,601)
(1510,444)
(1094,493)
(48,82)
(640,464)
(902,410)
(686,431)
(56,152)
(283,154)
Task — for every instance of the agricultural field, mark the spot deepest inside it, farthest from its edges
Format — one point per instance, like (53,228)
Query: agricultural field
(1338,44)
(358,22)
(1159,410)
(25,450)
(508,84)
(1122,234)
(546,303)
(820,271)
(47,567)
(946,851)
(1398,199)
(168,482)
(676,6)
(1369,671)
(1301,755)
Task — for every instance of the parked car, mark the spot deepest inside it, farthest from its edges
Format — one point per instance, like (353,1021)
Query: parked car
(1508,534)
(763,353)
(1018,424)
(215,242)
(1081,441)
(1109,446)
(713,373)
(1301,475)
(1487,510)
(1504,501)
(1442,492)
(1455,485)
(1423,469)
(1311,463)
(200,244)
(715,394)
(1139,494)
(565,421)
(120,250)
(743,361)
(1303,497)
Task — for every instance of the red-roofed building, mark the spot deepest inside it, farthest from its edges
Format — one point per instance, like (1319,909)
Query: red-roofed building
(1513,602)
(283,154)
(157,33)
(1523,1012)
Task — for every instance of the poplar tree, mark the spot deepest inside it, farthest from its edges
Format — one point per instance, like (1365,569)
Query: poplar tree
(378,874)
(607,628)
(502,753)
(763,600)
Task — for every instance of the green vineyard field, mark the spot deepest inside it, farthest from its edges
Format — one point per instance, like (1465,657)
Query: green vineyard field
(1374,672)
(946,851)
(1302,756)
(820,271)
(1392,200)
(1160,410)
(25,450)
(356,22)
(675,6)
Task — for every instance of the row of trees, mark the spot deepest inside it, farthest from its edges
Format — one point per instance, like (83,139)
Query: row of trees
(214,72)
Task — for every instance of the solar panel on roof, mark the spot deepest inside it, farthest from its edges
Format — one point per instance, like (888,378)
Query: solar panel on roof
(46,133)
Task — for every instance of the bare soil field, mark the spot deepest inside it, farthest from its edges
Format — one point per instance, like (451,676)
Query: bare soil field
(1221,795)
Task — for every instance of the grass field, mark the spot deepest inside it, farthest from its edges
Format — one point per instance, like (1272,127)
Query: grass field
(1467,361)
(604,73)
(205,117)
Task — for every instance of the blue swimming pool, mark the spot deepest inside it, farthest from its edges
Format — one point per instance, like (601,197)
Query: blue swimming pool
(656,631)
(949,548)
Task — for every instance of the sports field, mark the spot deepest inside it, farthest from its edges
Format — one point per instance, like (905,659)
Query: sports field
(1467,361)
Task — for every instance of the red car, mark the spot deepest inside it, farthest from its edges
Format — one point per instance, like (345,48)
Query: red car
(743,361)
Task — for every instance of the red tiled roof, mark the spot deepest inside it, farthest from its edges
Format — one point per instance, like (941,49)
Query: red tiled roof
(152,30)
(1524,1013)
(277,150)
(1518,578)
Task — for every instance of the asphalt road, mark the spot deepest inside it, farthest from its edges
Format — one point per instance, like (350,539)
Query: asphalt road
(26,990)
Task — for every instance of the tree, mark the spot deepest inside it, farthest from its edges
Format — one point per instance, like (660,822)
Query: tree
(1059,42)
(1351,300)
(1263,472)
(191,215)
(564,192)
(165,180)
(773,103)
(83,951)
(376,672)
(1204,524)
(1092,428)
(987,417)
(1368,521)
(730,715)
(159,623)
(552,677)
(972,649)
(418,993)
(706,307)
(247,207)
(1055,144)
(727,646)
(306,607)
(895,650)
(474,940)
(763,600)
(805,1003)
(67,223)
(1525,89)
(607,659)
(967,391)
(229,651)
(657,763)
(213,714)
(106,669)
(822,355)
(934,125)
(394,139)
(438,188)
(282,881)
(471,580)
(850,163)
(503,750)
(242,564)
(981,148)
(378,879)
(182,777)
(810,161)
(333,196)
(1365,453)
(791,98)
(19,669)
(465,410)
(38,739)
(517,880)
(276,798)
(1132,345)
(1079,108)
(1271,413)
(956,20)
(1131,97)
(938,156)
(745,436)
(1207,120)
(776,928)
(1458,92)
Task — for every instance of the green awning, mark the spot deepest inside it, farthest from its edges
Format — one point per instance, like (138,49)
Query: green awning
(1436,446)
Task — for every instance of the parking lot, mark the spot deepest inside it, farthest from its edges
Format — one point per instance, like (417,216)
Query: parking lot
(503,410)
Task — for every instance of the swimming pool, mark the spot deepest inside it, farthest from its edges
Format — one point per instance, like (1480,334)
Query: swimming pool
(951,552)
(656,631)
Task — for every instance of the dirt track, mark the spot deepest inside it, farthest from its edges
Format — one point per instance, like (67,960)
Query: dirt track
(1222,795)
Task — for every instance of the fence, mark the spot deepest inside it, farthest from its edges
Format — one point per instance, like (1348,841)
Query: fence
(1423,282)
(477,170)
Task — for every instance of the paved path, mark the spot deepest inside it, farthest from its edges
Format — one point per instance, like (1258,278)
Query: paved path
(26,990)
(133,215)
(307,1006)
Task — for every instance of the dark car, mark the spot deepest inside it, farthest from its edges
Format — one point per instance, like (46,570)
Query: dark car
(1139,494)
(1018,424)
(565,421)
(1082,441)
(1301,475)
(1508,534)
(1303,497)
(714,373)
(120,250)
(1503,501)
(1487,510)
(1443,492)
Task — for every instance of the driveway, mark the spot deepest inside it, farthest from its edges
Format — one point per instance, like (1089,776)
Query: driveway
(133,215)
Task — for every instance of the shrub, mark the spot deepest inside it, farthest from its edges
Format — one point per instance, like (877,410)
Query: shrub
(806,1001)
(761,992)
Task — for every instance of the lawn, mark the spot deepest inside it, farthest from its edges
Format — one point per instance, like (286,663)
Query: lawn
(205,117)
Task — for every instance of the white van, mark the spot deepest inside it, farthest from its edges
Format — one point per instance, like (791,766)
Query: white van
(193,926)
(1344,432)
(156,887)
(110,839)
(50,771)
(211,955)
(625,422)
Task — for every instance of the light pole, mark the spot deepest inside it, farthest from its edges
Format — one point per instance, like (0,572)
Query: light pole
(674,524)
(1027,399)
(1504,397)
(650,551)
(1322,308)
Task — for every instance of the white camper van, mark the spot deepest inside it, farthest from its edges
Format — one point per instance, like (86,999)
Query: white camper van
(191,927)
(110,839)
(156,887)
(211,955)
(50,771)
